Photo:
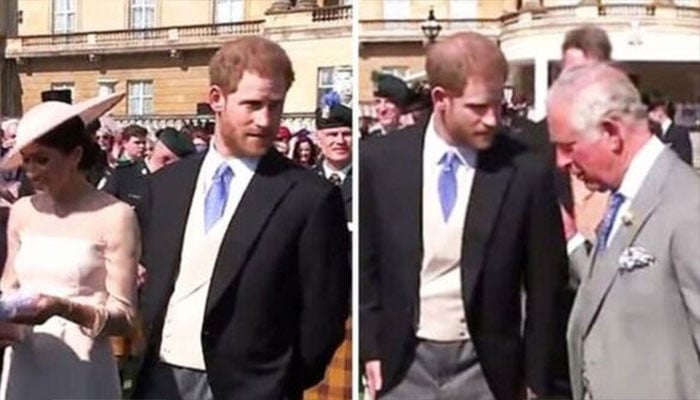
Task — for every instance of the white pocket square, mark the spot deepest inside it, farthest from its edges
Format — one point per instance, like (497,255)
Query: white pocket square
(635,257)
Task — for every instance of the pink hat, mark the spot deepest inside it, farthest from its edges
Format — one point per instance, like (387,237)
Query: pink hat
(44,117)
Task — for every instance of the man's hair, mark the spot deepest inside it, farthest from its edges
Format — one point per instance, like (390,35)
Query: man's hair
(249,53)
(655,99)
(591,40)
(595,92)
(133,130)
(452,61)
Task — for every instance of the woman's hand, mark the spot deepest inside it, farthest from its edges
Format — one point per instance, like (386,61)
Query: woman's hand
(39,310)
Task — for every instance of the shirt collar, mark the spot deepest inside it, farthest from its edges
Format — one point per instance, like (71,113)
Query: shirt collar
(639,168)
(342,173)
(665,124)
(213,159)
(436,147)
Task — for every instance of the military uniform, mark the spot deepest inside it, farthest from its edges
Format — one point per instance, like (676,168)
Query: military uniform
(337,384)
(126,182)
(394,90)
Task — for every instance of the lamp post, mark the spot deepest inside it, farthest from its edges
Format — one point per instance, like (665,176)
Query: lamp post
(430,27)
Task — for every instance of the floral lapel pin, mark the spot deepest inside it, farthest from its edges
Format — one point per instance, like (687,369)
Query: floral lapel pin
(628,218)
(635,257)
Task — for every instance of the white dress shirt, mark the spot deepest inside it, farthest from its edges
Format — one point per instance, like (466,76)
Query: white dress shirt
(634,177)
(632,181)
(181,340)
(442,314)
(342,173)
(664,127)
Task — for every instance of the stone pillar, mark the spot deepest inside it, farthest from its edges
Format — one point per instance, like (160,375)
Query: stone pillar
(541,87)
(280,5)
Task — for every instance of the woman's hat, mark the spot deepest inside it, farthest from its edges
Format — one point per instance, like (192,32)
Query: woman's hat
(46,116)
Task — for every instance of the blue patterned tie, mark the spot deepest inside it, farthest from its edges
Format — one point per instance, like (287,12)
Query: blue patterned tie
(608,220)
(447,183)
(215,201)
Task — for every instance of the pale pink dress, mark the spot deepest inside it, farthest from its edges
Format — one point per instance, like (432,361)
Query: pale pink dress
(60,359)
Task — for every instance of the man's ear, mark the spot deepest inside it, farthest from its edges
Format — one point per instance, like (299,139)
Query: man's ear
(217,99)
(614,132)
(439,97)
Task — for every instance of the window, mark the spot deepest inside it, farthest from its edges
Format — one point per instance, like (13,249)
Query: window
(336,79)
(398,71)
(228,11)
(140,97)
(397,9)
(64,86)
(464,9)
(333,3)
(63,16)
(143,14)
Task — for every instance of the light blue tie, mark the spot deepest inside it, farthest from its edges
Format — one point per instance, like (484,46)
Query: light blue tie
(217,195)
(608,220)
(447,183)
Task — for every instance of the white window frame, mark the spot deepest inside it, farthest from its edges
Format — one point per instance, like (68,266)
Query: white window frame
(324,80)
(64,16)
(228,11)
(63,86)
(139,97)
(142,14)
(397,9)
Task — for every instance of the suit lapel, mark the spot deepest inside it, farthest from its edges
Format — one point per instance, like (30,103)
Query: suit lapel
(409,177)
(488,189)
(604,268)
(178,185)
(346,187)
(265,191)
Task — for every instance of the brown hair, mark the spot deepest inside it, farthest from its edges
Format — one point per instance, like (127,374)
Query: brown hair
(591,40)
(451,61)
(200,133)
(250,53)
(133,130)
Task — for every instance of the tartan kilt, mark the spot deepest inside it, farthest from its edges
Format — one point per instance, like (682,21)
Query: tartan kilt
(337,384)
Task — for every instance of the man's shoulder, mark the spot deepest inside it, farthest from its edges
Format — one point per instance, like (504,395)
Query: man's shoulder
(678,132)
(274,164)
(682,181)
(392,143)
(129,168)
(511,149)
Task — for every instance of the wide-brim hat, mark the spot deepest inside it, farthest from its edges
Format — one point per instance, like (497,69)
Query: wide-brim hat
(46,116)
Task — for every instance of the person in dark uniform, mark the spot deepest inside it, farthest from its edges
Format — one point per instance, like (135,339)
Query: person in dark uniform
(418,107)
(390,98)
(660,111)
(126,181)
(334,133)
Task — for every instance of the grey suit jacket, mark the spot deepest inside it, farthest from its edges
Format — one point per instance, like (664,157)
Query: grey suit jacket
(635,334)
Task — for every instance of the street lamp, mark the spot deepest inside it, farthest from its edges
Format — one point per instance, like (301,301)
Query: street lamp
(431,28)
